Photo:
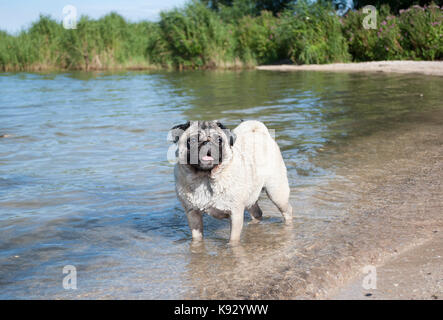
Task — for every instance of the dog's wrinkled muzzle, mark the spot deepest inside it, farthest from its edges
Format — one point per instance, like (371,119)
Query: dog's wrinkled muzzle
(209,153)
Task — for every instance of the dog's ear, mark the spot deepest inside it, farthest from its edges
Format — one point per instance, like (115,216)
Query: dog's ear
(231,135)
(177,131)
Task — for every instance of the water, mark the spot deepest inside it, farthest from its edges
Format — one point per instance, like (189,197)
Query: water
(85,181)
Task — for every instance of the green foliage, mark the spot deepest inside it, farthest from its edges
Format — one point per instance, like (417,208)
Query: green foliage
(422,32)
(16,53)
(233,35)
(105,42)
(388,46)
(306,34)
(196,37)
(312,34)
(259,38)
(361,41)
(95,44)
(382,43)
(233,12)
(416,33)
(254,6)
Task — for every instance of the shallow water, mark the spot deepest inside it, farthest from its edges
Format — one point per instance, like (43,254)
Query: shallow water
(85,180)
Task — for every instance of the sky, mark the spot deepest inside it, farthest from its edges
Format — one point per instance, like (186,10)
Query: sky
(18,14)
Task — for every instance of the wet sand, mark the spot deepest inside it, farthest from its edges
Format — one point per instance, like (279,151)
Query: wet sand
(414,274)
(398,221)
(424,67)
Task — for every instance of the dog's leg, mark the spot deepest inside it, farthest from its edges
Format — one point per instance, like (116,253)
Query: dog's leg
(255,212)
(279,195)
(237,217)
(195,221)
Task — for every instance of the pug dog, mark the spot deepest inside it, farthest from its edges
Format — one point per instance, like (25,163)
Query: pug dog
(222,172)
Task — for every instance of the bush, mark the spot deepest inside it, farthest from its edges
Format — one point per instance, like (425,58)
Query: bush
(361,42)
(388,45)
(382,43)
(312,34)
(259,38)
(417,33)
(196,37)
(422,32)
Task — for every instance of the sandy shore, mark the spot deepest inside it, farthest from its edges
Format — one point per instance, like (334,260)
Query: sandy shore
(404,225)
(434,68)
(414,274)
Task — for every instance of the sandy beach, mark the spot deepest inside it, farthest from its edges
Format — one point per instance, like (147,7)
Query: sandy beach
(434,68)
(414,274)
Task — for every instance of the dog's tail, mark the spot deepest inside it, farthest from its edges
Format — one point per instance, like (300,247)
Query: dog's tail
(251,126)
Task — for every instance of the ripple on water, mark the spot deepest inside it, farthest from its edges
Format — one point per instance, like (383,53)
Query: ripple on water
(85,181)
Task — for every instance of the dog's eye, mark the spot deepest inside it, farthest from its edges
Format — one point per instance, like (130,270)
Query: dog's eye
(220,139)
(192,140)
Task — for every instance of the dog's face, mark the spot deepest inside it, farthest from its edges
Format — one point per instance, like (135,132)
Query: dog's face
(203,144)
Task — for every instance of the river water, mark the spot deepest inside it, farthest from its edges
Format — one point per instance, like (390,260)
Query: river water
(85,180)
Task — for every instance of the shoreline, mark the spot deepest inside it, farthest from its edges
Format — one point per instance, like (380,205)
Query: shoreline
(434,68)
(398,213)
(400,227)
(416,273)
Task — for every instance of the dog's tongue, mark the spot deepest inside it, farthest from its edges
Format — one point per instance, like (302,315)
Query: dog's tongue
(207,158)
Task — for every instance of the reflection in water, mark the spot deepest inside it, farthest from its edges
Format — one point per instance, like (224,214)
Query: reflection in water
(84,178)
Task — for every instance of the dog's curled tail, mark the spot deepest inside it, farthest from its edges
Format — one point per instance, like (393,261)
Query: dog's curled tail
(251,126)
